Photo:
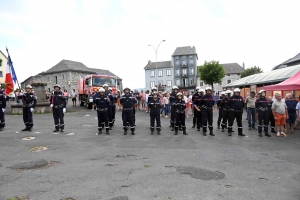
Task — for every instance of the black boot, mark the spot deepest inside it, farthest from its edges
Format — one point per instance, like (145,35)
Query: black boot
(56,130)
(273,130)
(184,131)
(152,132)
(107,131)
(176,131)
(241,134)
(260,134)
(229,134)
(222,130)
(204,133)
(25,129)
(132,133)
(211,133)
(172,129)
(61,129)
(193,126)
(29,129)
(110,128)
(2,128)
(218,126)
(99,131)
(125,131)
(158,132)
(267,134)
(180,128)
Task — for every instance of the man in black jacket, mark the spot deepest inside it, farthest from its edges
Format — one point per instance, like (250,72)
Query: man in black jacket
(154,107)
(58,105)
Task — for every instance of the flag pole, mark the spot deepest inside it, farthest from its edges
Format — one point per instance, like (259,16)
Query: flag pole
(9,60)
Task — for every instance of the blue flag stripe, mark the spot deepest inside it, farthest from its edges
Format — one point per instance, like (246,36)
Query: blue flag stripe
(13,73)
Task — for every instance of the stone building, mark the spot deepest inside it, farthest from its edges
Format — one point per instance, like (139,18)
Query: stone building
(3,64)
(66,73)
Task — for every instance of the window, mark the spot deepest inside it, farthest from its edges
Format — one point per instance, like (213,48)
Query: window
(169,83)
(177,73)
(201,83)
(191,71)
(0,62)
(184,72)
(160,73)
(183,59)
(152,74)
(184,82)
(228,81)
(63,76)
(152,84)
(191,59)
(168,72)
(177,61)
(55,80)
(1,73)
(48,78)
(192,82)
(177,82)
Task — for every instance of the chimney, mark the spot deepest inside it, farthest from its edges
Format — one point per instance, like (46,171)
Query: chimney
(244,66)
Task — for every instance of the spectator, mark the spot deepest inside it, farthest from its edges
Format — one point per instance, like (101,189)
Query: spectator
(166,104)
(137,96)
(142,99)
(280,113)
(298,111)
(119,96)
(291,104)
(66,95)
(146,101)
(191,101)
(74,97)
(250,104)
(187,102)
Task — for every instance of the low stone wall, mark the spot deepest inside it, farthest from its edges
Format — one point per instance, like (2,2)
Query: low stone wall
(41,107)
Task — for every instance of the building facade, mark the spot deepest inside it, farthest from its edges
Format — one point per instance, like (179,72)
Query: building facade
(232,73)
(66,73)
(180,71)
(3,65)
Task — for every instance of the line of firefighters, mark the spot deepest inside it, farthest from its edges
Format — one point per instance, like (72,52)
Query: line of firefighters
(231,106)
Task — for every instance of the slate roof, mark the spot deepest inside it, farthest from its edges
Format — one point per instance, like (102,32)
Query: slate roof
(233,68)
(184,51)
(289,61)
(266,77)
(69,65)
(163,64)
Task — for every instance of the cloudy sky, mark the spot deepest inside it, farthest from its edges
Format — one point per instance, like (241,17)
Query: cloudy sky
(114,34)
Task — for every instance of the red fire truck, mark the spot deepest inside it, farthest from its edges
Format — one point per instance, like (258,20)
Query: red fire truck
(90,84)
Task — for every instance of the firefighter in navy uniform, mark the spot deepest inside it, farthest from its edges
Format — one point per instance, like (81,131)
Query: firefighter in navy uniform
(236,105)
(198,111)
(150,97)
(154,106)
(225,109)
(207,103)
(179,107)
(172,99)
(113,99)
(29,103)
(2,108)
(107,93)
(58,106)
(195,99)
(262,106)
(220,109)
(102,103)
(128,103)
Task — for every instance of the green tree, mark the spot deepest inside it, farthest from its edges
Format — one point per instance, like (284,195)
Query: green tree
(211,72)
(251,71)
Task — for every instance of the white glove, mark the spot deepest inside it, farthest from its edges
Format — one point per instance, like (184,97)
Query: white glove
(64,110)
(51,105)
(31,109)
(3,109)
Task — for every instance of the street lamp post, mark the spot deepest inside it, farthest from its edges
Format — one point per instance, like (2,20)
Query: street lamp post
(156,49)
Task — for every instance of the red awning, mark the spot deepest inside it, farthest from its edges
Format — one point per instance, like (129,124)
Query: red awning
(293,83)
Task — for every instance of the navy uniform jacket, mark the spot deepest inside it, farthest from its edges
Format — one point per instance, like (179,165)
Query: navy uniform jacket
(180,106)
(236,102)
(127,101)
(172,98)
(58,99)
(207,101)
(262,103)
(111,97)
(224,103)
(29,100)
(2,99)
(155,106)
(219,105)
(150,97)
(196,99)
(101,101)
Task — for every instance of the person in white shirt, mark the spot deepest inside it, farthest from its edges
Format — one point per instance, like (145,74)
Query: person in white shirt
(74,96)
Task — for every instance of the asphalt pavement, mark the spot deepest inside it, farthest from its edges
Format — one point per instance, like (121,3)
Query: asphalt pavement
(80,165)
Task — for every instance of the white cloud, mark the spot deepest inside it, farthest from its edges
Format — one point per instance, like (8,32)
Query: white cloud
(262,33)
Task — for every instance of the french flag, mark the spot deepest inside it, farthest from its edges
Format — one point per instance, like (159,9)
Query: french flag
(9,79)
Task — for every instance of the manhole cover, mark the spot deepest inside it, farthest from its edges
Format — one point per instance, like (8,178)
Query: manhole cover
(38,148)
(199,173)
(28,138)
(19,198)
(70,134)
